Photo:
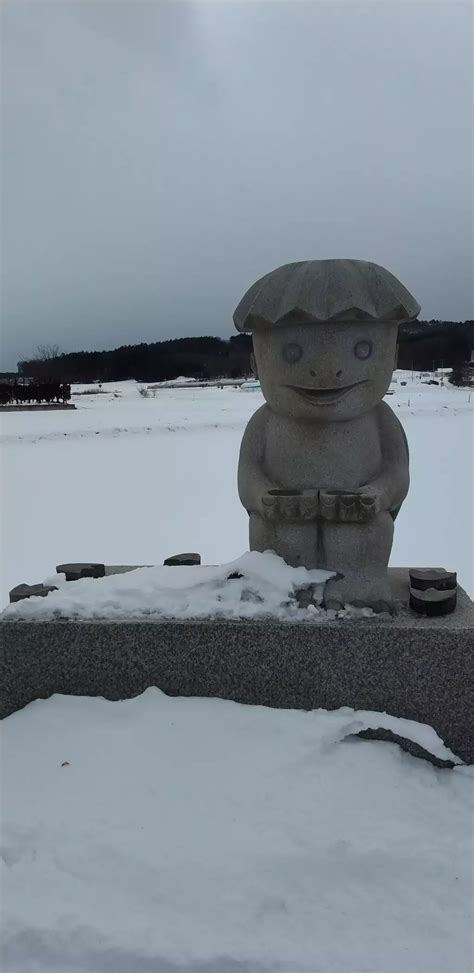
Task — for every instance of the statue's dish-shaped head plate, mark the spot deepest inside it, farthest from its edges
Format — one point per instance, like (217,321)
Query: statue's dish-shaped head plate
(325,335)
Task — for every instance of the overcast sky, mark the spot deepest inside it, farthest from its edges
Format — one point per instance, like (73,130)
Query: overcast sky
(160,157)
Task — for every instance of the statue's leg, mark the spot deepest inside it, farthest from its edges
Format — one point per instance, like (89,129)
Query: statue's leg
(261,534)
(296,543)
(360,552)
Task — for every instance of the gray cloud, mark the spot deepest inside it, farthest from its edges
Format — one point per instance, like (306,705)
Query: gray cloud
(159,157)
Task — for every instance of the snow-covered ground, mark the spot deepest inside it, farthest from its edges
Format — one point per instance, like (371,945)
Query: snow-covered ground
(129,480)
(160,835)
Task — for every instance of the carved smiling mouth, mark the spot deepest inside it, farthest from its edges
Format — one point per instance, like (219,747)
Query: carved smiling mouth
(324,396)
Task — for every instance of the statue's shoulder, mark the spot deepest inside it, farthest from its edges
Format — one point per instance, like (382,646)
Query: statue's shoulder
(254,438)
(389,424)
(259,419)
(387,417)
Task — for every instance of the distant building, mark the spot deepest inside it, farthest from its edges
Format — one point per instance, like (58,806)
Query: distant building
(13,378)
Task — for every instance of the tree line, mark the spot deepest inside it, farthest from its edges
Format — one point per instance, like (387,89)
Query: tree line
(202,358)
(424,345)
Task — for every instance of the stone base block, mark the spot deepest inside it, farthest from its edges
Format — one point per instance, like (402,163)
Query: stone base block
(410,666)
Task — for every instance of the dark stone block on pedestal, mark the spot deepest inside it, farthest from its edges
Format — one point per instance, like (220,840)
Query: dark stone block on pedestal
(438,578)
(75,571)
(432,605)
(182,560)
(29,591)
(433,591)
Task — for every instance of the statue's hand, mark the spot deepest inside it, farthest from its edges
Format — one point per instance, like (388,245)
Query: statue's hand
(344,507)
(372,498)
(290,505)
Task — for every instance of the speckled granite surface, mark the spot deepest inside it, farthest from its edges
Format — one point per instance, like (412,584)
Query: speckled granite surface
(409,666)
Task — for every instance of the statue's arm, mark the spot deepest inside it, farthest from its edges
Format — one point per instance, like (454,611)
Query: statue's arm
(391,485)
(252,479)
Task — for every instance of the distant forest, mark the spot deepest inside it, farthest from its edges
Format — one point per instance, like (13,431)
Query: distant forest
(424,345)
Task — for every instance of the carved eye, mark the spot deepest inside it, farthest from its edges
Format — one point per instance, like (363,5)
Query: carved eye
(363,349)
(292,352)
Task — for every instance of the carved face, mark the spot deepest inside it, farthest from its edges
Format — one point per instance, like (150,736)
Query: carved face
(325,372)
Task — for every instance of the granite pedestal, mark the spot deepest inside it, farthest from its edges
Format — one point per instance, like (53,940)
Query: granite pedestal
(409,666)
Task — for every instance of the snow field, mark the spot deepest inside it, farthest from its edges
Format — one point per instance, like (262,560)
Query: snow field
(164,834)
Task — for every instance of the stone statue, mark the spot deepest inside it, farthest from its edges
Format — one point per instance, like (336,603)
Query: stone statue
(323,466)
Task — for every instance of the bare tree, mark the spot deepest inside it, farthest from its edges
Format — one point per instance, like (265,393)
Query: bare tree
(46,352)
